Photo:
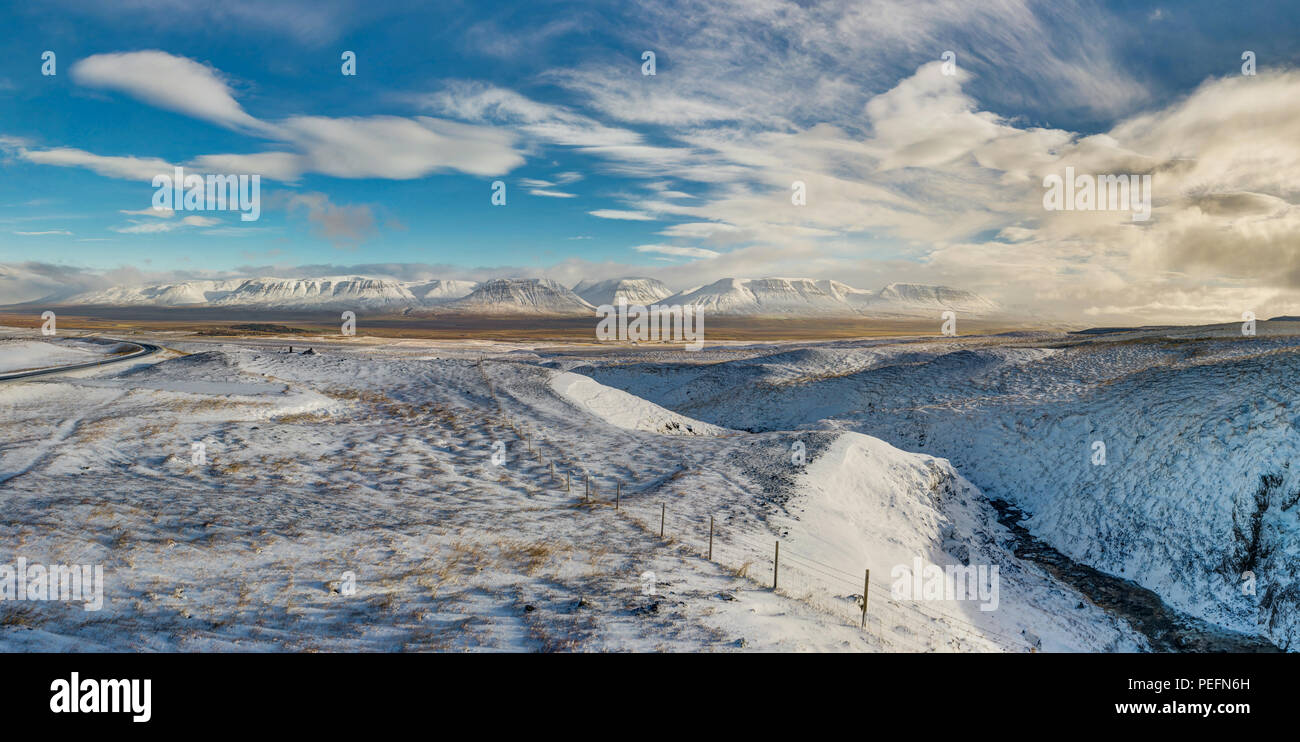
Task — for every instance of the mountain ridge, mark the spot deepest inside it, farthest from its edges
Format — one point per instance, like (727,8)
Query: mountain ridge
(756,297)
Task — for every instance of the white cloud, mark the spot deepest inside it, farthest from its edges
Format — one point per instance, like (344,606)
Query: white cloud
(633,216)
(678,251)
(282,166)
(389,147)
(473,101)
(551,194)
(194,220)
(400,148)
(159,213)
(130,168)
(46,232)
(168,81)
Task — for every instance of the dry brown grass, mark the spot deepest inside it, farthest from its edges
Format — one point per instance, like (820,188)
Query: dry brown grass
(531,555)
(303,417)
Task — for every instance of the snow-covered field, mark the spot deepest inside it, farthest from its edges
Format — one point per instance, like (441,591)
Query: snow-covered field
(421,473)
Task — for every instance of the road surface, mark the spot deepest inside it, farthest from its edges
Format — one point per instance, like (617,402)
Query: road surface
(145,350)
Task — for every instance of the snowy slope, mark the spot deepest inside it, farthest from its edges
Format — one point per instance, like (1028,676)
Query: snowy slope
(864,503)
(332,293)
(634,291)
(928,300)
(507,296)
(439,291)
(162,295)
(624,410)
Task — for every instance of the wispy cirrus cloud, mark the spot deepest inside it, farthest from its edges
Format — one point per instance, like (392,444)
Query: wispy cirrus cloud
(155,227)
(390,147)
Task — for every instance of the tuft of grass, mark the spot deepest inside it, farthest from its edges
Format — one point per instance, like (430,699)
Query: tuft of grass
(533,556)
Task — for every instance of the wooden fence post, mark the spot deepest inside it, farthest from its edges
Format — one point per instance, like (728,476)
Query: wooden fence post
(776,563)
(866,583)
(618,494)
(566,482)
(663,510)
(710,538)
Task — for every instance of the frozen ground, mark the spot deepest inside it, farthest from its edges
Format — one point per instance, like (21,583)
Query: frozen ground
(376,458)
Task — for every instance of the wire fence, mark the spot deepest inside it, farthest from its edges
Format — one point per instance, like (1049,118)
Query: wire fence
(742,554)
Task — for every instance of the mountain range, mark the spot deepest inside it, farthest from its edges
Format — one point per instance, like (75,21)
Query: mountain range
(758,297)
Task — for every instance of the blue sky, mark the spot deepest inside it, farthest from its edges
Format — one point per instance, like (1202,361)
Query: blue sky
(684,175)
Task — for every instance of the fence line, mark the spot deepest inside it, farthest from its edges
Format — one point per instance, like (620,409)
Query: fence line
(789,559)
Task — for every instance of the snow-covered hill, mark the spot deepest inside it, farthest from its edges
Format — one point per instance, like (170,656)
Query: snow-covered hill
(506,296)
(642,291)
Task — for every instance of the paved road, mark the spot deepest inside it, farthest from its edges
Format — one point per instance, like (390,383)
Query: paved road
(145,350)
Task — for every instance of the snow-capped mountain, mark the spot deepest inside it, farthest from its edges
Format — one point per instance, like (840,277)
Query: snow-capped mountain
(643,291)
(754,297)
(920,297)
(804,297)
(774,297)
(352,291)
(519,296)
(436,292)
(161,295)
(282,293)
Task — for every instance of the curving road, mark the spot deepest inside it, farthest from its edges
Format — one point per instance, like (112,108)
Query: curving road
(145,350)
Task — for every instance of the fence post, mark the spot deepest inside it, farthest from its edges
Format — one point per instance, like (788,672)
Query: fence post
(866,583)
(710,538)
(552,470)
(663,510)
(618,494)
(566,482)
(776,563)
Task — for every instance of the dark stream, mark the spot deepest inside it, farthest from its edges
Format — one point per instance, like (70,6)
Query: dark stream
(1167,629)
